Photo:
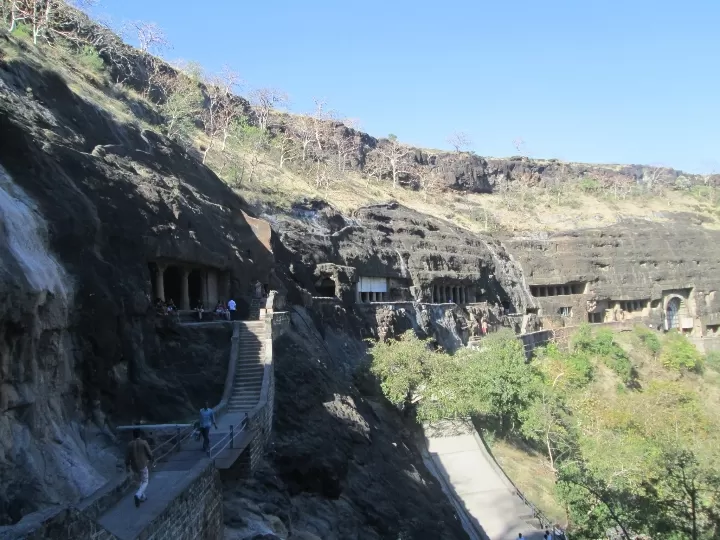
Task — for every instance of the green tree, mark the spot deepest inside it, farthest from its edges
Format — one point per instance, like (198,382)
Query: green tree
(404,368)
(649,339)
(597,505)
(501,378)
(689,497)
(712,359)
(679,354)
(494,382)
(547,421)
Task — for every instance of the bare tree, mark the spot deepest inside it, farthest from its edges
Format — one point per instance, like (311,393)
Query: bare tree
(222,107)
(45,17)
(460,141)
(284,142)
(321,117)
(40,15)
(264,101)
(150,36)
(373,170)
(653,175)
(327,174)
(429,178)
(344,142)
(303,129)
(394,155)
(182,104)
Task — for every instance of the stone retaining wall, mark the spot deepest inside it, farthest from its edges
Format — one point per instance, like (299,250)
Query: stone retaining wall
(561,336)
(71,521)
(196,513)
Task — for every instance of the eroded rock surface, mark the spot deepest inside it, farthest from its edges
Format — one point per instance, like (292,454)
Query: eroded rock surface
(79,343)
(342,464)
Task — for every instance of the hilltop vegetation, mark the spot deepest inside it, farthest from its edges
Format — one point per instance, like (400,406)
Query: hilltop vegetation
(624,426)
(274,158)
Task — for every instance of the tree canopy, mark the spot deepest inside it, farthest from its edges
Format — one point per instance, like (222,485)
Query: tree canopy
(631,437)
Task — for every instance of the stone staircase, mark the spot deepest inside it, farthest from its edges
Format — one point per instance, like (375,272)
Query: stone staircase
(255,305)
(249,368)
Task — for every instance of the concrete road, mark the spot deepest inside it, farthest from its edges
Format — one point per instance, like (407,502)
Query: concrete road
(483,490)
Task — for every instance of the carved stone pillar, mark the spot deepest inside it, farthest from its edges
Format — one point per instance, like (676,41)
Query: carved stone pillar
(160,281)
(185,294)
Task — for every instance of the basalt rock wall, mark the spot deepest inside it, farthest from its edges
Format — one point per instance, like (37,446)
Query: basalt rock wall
(80,344)
(631,261)
(414,251)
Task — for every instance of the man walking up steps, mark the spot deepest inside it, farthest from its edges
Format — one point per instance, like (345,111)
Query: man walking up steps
(137,459)
(207,419)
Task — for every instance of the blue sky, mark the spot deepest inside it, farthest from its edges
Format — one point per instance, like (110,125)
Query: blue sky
(607,81)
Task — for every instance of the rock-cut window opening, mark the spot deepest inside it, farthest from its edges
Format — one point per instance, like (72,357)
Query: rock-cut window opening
(325,287)
(633,305)
(451,294)
(372,289)
(565,289)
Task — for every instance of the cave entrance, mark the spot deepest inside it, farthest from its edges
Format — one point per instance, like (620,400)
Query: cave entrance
(173,284)
(325,287)
(195,289)
(673,314)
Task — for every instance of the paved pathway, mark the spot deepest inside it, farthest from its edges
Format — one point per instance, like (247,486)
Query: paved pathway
(167,481)
(178,470)
(482,489)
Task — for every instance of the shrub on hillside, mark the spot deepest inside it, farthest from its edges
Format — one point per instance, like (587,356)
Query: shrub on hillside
(603,345)
(22,31)
(712,360)
(564,369)
(679,354)
(589,185)
(90,58)
(649,339)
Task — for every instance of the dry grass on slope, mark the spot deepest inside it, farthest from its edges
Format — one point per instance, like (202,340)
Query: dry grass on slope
(257,176)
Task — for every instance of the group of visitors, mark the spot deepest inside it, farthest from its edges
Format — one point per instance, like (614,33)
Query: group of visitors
(139,457)
(165,308)
(479,327)
(556,534)
(226,311)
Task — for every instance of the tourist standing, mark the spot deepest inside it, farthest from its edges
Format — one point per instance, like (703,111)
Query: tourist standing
(137,458)
(484,326)
(207,419)
(232,306)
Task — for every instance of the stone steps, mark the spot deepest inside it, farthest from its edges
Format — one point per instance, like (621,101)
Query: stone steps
(250,368)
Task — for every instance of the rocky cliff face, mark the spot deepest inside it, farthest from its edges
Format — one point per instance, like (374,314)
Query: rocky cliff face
(419,252)
(636,260)
(86,203)
(342,465)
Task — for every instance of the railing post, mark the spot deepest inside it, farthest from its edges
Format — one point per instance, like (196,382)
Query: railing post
(232,437)
(177,438)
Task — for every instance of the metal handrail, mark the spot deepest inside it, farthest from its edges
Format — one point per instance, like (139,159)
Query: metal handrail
(230,437)
(177,444)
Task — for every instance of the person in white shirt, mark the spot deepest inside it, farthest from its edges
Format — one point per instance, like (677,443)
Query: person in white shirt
(231,308)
